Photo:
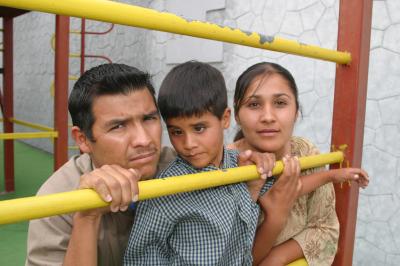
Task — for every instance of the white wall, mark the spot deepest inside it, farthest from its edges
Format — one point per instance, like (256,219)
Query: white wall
(309,21)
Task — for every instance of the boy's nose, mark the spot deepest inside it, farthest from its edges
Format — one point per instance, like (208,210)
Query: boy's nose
(190,142)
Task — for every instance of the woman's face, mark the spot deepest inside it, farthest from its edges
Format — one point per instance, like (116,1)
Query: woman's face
(267,115)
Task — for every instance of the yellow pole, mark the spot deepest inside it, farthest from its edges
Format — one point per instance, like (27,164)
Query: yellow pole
(300,262)
(31,125)
(29,135)
(124,14)
(21,209)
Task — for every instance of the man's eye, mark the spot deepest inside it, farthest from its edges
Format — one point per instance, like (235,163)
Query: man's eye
(150,117)
(117,127)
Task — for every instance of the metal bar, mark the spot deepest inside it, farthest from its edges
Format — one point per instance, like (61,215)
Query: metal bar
(8,101)
(16,210)
(28,135)
(124,14)
(83,32)
(349,112)
(61,91)
(31,125)
(102,32)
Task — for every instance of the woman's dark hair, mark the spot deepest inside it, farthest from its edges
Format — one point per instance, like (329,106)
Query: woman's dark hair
(106,79)
(249,75)
(192,88)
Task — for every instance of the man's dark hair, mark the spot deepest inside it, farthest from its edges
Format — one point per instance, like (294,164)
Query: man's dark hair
(106,79)
(192,88)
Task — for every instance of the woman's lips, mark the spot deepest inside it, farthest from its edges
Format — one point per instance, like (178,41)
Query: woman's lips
(268,132)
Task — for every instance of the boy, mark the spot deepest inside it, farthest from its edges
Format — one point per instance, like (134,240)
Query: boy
(211,226)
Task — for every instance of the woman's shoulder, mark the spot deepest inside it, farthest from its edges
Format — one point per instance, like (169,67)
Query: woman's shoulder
(302,147)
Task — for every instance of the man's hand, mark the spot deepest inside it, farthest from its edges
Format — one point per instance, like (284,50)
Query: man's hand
(115,184)
(264,162)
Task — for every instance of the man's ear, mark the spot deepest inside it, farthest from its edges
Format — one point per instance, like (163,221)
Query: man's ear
(226,118)
(80,139)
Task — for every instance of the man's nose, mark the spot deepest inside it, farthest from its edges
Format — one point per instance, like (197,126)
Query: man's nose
(140,136)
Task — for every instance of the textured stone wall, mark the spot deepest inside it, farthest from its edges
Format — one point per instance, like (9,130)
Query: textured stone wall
(309,21)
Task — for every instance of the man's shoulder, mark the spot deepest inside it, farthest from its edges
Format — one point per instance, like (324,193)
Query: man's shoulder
(67,177)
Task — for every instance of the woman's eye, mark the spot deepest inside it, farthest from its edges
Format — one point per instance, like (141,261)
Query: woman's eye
(253,104)
(280,103)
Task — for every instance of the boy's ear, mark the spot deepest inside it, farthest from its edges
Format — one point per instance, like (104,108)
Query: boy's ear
(226,118)
(80,139)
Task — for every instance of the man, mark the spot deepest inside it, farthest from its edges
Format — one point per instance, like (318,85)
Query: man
(117,127)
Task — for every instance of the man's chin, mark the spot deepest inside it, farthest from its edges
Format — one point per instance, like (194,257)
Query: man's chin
(148,172)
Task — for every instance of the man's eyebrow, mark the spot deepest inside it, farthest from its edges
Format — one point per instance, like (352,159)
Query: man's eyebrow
(152,113)
(117,121)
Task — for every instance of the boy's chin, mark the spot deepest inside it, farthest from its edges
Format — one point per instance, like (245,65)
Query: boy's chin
(199,165)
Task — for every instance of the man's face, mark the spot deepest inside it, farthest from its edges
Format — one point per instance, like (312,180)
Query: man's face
(126,132)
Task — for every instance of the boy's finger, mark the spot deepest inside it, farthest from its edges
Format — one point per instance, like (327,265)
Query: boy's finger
(243,158)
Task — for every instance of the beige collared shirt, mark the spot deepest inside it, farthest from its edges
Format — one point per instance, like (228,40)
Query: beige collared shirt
(48,237)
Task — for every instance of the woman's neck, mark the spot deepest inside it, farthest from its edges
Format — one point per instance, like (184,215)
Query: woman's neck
(243,145)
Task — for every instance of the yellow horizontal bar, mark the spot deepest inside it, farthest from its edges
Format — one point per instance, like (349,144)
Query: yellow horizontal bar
(21,209)
(29,135)
(31,125)
(124,14)
(73,148)
(300,262)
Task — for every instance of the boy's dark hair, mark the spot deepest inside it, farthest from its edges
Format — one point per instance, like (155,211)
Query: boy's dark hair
(106,79)
(192,88)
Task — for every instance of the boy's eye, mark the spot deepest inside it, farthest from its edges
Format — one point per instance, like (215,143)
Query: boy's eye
(199,128)
(175,132)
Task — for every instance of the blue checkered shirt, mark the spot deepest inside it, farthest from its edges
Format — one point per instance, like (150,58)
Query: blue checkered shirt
(214,226)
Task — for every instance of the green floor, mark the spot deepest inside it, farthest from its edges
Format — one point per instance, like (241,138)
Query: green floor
(32,167)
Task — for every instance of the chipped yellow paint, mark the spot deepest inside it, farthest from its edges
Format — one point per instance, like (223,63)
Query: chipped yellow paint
(124,14)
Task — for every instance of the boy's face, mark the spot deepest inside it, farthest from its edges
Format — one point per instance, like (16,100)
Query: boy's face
(199,139)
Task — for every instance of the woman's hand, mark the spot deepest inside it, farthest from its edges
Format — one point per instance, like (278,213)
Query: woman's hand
(280,198)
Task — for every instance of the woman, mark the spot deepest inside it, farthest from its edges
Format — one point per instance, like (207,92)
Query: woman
(266,108)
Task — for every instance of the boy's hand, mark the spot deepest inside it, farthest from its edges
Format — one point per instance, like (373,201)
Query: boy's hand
(350,174)
(264,162)
(115,184)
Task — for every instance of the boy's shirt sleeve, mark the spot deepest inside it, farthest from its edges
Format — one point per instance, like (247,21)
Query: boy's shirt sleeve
(148,241)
